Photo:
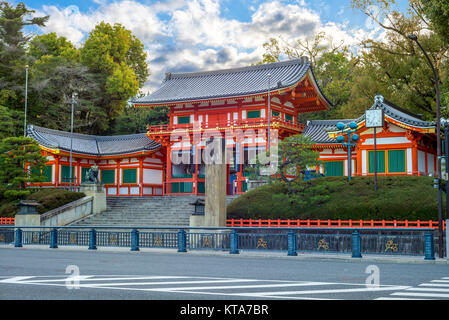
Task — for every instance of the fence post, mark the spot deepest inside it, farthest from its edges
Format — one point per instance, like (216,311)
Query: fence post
(234,242)
(53,238)
(356,245)
(92,239)
(182,241)
(291,242)
(18,240)
(135,240)
(429,249)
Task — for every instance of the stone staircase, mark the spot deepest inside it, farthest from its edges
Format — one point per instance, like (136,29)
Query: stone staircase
(145,211)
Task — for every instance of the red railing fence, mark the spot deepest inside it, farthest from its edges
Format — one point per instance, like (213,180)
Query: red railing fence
(333,223)
(315,223)
(7,220)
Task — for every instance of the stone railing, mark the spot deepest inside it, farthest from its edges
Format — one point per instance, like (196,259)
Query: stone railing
(68,213)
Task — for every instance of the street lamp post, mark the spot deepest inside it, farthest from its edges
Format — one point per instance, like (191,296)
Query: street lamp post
(26,101)
(351,137)
(71,140)
(438,169)
(445,123)
(269,112)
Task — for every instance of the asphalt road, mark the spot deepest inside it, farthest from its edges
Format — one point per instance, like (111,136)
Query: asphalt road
(106,275)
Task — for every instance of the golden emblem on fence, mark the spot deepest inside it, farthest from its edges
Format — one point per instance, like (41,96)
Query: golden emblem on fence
(261,243)
(323,244)
(207,242)
(35,237)
(157,241)
(113,238)
(72,238)
(390,245)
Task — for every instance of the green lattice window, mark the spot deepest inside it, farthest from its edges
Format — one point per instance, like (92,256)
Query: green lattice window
(65,173)
(129,175)
(107,176)
(288,117)
(253,114)
(184,119)
(275,113)
(46,173)
(380,161)
(181,187)
(84,173)
(333,168)
(396,160)
(201,187)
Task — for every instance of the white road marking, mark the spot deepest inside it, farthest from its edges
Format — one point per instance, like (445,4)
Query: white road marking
(433,285)
(429,289)
(165,283)
(274,293)
(207,285)
(16,279)
(432,289)
(421,294)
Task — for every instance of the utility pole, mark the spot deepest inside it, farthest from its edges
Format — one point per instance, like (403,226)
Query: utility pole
(71,139)
(26,101)
(437,183)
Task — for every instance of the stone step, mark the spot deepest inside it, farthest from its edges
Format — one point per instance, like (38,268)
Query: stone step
(157,211)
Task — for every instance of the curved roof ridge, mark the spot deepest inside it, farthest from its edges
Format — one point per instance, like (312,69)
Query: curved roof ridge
(91,144)
(302,60)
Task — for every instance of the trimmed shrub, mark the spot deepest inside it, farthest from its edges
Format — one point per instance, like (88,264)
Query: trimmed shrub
(398,197)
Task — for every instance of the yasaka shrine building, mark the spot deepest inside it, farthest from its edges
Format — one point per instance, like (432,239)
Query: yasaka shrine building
(235,104)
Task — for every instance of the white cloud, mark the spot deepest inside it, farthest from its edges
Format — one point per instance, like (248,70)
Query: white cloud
(195,35)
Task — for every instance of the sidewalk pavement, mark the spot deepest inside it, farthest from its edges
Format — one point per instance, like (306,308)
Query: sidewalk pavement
(247,254)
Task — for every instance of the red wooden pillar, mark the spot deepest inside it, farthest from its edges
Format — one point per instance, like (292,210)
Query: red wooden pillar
(168,173)
(57,171)
(141,176)
(415,160)
(118,176)
(78,172)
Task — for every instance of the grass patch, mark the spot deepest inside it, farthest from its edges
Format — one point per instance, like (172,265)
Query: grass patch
(398,197)
(48,198)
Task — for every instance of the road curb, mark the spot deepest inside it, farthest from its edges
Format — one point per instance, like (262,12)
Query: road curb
(243,254)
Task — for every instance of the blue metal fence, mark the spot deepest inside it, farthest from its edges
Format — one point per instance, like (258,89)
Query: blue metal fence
(291,240)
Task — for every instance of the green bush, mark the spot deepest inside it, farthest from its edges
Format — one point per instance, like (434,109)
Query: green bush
(48,198)
(398,197)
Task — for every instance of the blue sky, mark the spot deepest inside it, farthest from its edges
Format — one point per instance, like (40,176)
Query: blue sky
(182,36)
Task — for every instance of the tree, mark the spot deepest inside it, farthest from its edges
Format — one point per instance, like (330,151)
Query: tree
(20,162)
(395,67)
(54,80)
(50,44)
(11,122)
(136,120)
(333,66)
(118,58)
(295,152)
(438,13)
(12,51)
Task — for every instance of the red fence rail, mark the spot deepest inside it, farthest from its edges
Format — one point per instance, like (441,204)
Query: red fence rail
(7,220)
(315,223)
(333,223)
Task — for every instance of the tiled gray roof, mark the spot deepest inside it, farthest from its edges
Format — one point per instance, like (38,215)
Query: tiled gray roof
(193,86)
(318,130)
(398,114)
(92,145)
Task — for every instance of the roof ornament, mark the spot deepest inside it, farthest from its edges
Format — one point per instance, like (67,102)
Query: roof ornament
(279,84)
(378,100)
(167,76)
(304,59)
